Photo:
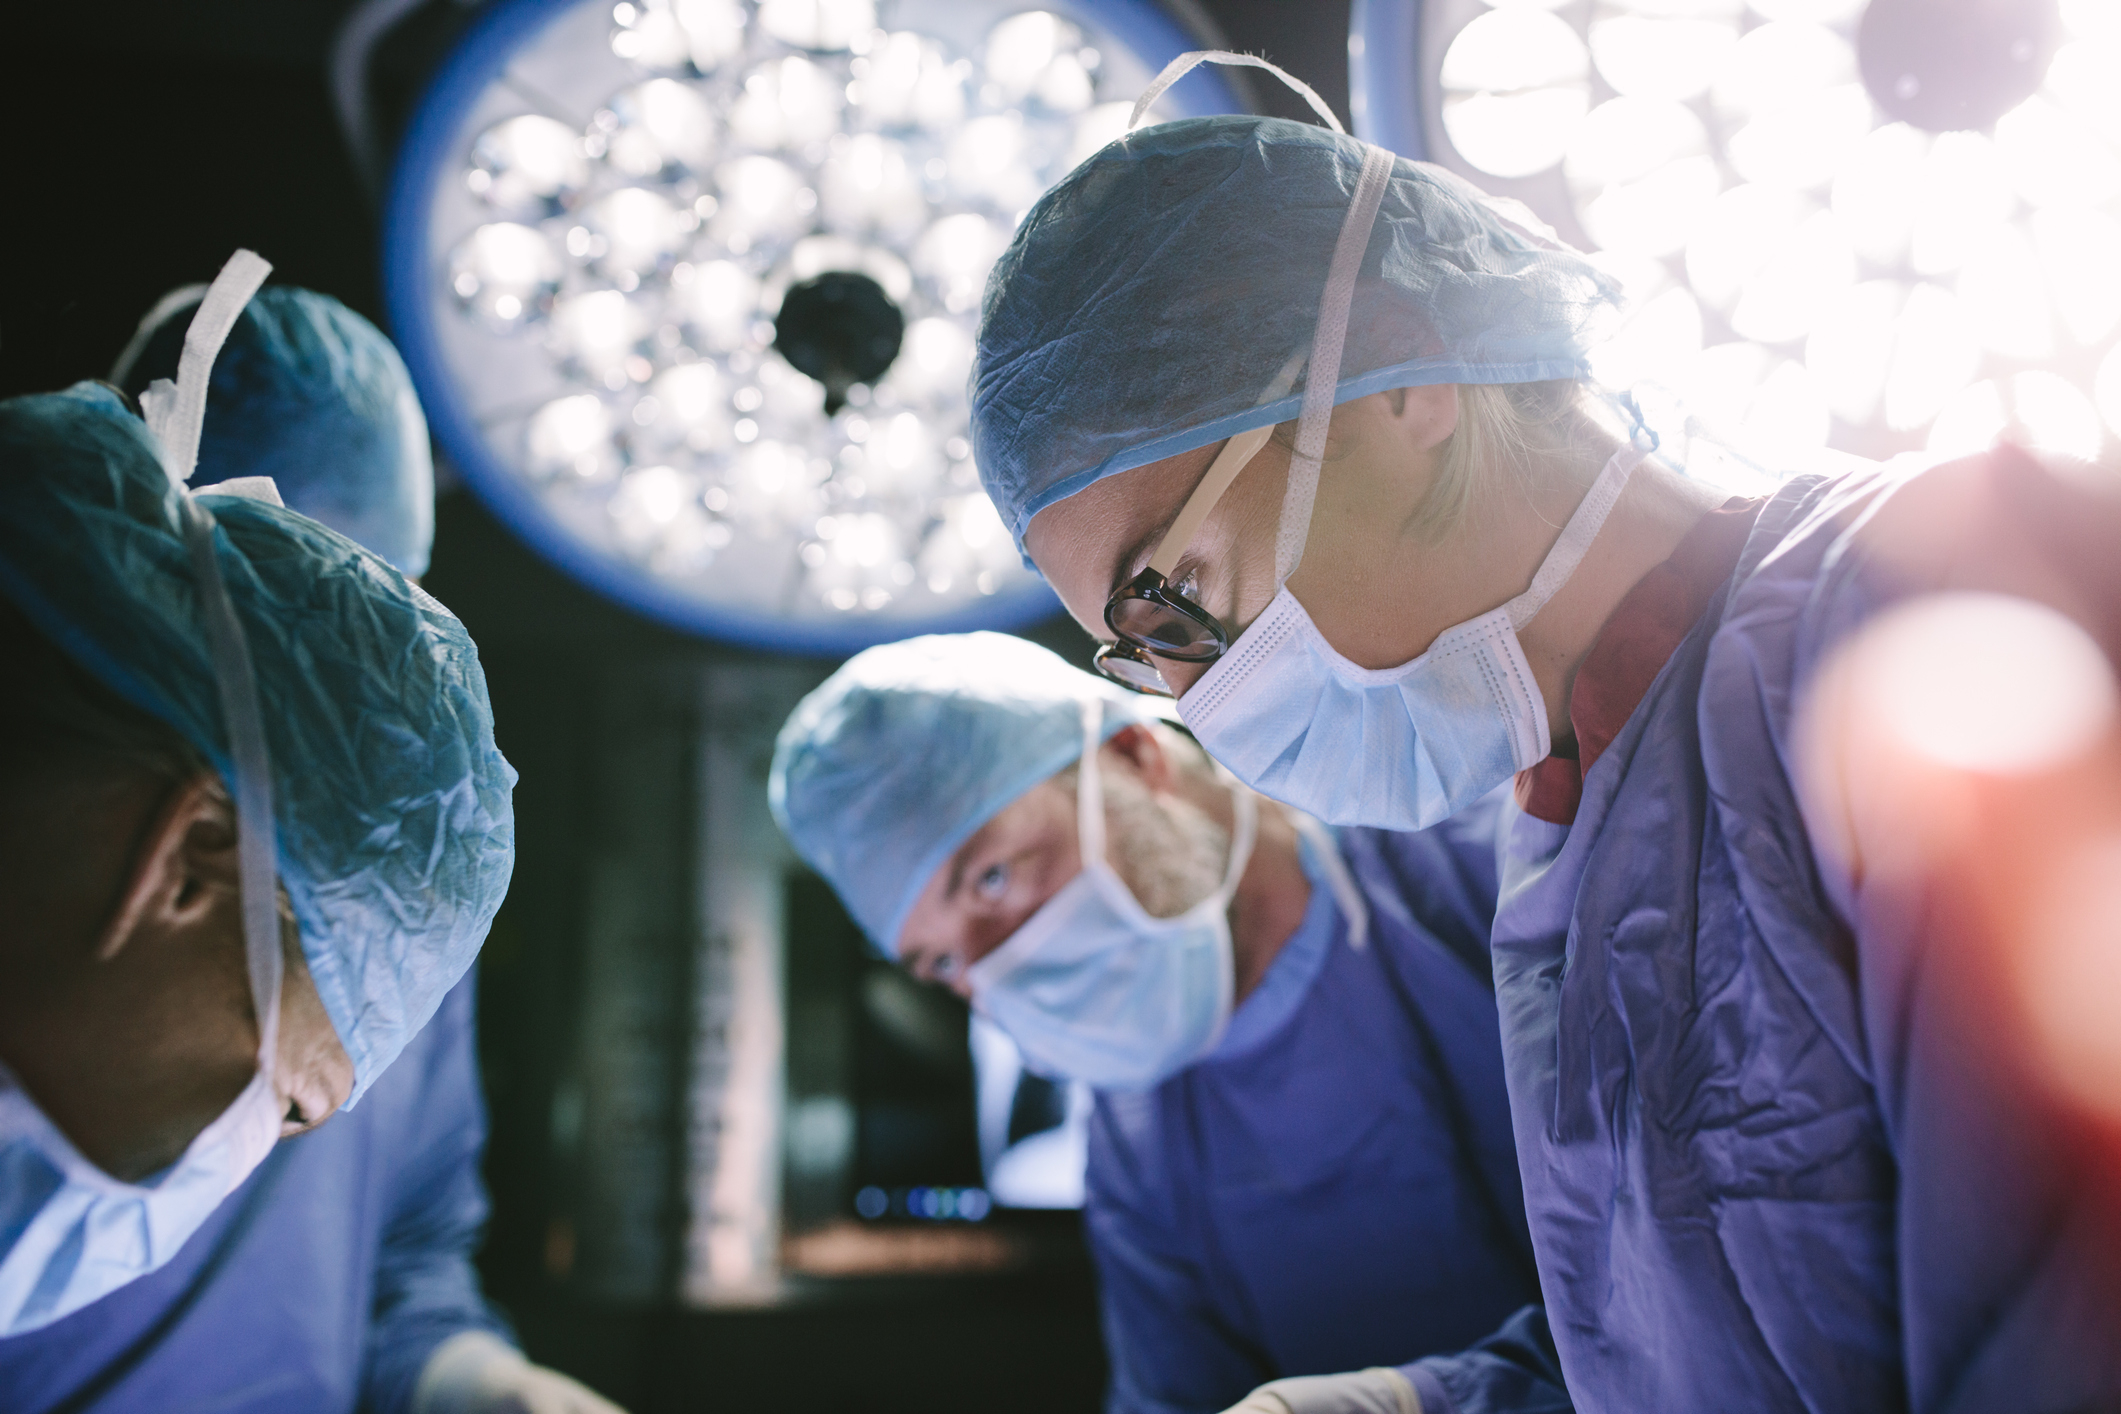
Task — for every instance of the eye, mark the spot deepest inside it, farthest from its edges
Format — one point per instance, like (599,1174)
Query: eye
(944,968)
(993,880)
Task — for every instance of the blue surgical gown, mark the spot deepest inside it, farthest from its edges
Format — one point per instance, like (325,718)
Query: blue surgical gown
(1335,1186)
(322,1284)
(1765,1167)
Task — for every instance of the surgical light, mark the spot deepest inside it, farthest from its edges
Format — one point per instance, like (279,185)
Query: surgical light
(690,288)
(1863,226)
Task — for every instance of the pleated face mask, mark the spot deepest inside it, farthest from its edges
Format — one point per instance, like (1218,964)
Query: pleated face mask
(1093,987)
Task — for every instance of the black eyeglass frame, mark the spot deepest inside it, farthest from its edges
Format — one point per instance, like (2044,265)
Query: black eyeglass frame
(1121,663)
(1153,585)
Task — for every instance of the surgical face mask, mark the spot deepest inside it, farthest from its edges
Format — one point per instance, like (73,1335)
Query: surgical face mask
(1397,748)
(73,1233)
(1093,987)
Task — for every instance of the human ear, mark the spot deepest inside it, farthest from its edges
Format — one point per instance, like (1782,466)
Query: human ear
(184,861)
(1422,418)
(1137,745)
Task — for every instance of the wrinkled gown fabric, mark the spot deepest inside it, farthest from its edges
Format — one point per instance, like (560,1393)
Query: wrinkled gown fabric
(1771,1159)
(1334,1186)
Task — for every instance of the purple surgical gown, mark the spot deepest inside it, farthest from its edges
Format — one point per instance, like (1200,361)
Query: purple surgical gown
(1765,1167)
(322,1284)
(1335,1186)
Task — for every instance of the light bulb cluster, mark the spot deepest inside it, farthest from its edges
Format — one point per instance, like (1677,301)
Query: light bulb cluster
(1805,272)
(644,257)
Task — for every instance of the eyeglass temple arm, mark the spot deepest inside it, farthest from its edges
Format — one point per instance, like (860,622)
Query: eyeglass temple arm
(1232,459)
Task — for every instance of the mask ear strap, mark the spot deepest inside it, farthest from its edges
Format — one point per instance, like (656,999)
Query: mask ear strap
(1322,383)
(1186,63)
(1577,535)
(1089,790)
(175,414)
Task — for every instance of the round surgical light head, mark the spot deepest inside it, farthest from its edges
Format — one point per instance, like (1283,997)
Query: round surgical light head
(690,287)
(1865,225)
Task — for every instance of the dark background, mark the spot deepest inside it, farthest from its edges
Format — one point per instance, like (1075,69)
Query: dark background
(140,142)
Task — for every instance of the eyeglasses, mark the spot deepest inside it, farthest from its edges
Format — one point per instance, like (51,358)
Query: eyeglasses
(1153,616)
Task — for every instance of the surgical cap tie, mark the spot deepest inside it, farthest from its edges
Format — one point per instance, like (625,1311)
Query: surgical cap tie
(1192,59)
(176,413)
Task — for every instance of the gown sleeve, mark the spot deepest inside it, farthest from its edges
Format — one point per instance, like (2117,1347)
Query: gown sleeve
(1513,1371)
(2006,1243)
(426,1289)
(1172,1347)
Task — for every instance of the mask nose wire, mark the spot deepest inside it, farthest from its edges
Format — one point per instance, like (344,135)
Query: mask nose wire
(176,414)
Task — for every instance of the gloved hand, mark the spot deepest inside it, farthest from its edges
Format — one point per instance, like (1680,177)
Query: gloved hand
(479,1373)
(1373,1391)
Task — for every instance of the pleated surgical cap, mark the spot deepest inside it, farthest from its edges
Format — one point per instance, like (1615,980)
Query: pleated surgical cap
(897,758)
(309,393)
(1163,296)
(395,832)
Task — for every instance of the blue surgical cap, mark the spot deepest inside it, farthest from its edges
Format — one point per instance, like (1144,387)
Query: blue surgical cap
(897,758)
(309,393)
(395,830)
(1154,297)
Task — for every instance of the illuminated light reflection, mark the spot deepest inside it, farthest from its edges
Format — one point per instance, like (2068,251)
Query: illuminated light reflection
(2054,416)
(1797,284)
(1935,353)
(572,434)
(2077,254)
(2068,966)
(817,24)
(504,262)
(1660,58)
(2106,389)
(752,147)
(1964,193)
(905,80)
(528,163)
(659,124)
(1986,683)
(1515,88)
(2080,81)
(2053,161)
(787,104)
(1801,144)
(1850,350)
(868,184)
(1902,263)
(2001,288)
(638,228)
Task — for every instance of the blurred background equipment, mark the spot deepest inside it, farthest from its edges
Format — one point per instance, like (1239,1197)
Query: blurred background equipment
(1866,227)
(690,288)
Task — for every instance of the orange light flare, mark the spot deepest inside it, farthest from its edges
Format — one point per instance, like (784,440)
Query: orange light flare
(1961,755)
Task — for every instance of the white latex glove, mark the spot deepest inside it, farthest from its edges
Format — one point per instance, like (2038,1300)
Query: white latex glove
(479,1373)
(1373,1391)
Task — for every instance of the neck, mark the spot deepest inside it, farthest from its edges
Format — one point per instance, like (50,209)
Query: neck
(1272,895)
(1655,512)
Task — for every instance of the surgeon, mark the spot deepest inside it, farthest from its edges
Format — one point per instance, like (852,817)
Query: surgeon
(1300,1161)
(337,1273)
(1777,1153)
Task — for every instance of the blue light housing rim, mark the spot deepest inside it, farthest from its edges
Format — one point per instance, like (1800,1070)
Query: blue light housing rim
(428,155)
